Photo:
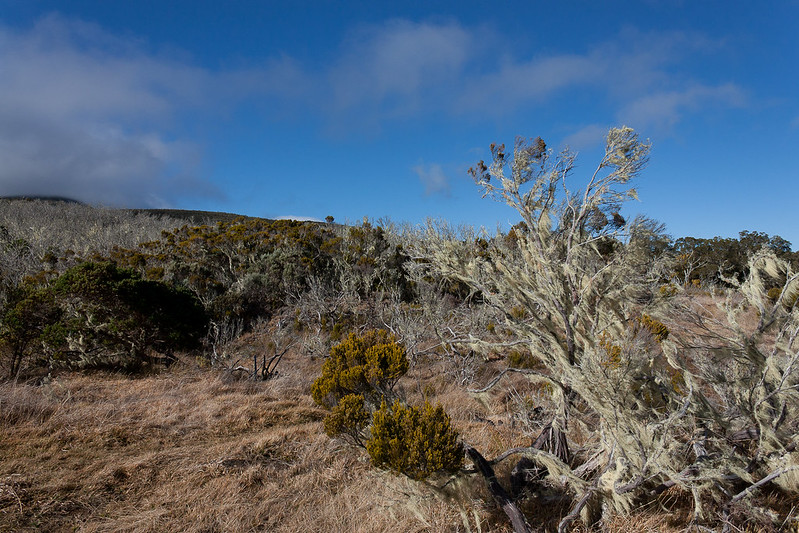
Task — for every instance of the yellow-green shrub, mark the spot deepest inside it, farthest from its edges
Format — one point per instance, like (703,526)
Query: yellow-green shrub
(613,351)
(369,364)
(789,301)
(668,290)
(348,417)
(522,359)
(413,441)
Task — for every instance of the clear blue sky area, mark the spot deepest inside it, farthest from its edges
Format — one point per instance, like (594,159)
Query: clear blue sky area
(377,109)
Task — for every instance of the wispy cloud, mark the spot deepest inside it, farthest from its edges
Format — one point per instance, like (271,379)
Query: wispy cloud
(664,109)
(397,69)
(587,137)
(514,83)
(433,178)
(402,70)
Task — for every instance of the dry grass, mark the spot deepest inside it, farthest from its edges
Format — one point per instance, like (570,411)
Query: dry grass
(193,450)
(187,451)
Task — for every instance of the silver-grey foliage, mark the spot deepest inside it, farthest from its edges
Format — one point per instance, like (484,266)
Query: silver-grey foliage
(33,230)
(577,282)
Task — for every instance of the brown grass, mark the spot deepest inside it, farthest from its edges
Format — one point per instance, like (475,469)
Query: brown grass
(191,451)
(194,450)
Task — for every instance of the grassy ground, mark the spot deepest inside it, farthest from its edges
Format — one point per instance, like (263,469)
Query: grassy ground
(190,451)
(194,450)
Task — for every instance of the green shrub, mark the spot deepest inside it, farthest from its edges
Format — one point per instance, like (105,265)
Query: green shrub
(98,315)
(360,374)
(348,417)
(370,365)
(29,314)
(113,318)
(413,441)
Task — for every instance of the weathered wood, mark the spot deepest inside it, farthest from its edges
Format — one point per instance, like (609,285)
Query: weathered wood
(575,513)
(499,494)
(553,441)
(525,473)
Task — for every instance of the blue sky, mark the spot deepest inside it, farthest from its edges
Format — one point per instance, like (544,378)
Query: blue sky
(375,109)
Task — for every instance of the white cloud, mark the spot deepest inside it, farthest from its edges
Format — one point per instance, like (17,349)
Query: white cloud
(86,114)
(516,83)
(433,178)
(627,66)
(395,63)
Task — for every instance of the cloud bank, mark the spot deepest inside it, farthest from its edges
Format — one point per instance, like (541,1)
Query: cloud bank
(80,113)
(88,115)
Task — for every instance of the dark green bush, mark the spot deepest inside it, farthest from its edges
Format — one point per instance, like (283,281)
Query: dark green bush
(99,315)
(30,315)
(113,317)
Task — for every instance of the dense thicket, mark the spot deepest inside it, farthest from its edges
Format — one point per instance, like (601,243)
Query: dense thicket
(242,271)
(100,316)
(712,260)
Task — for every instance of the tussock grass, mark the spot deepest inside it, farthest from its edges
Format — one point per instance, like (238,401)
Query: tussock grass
(199,451)
(190,451)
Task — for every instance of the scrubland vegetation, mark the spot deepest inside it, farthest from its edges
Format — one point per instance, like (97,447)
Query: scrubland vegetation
(581,372)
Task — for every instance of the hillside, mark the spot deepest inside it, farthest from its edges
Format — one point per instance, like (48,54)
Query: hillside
(193,450)
(192,217)
(247,374)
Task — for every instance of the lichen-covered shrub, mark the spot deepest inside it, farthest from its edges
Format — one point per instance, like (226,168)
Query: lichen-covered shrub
(414,441)
(658,329)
